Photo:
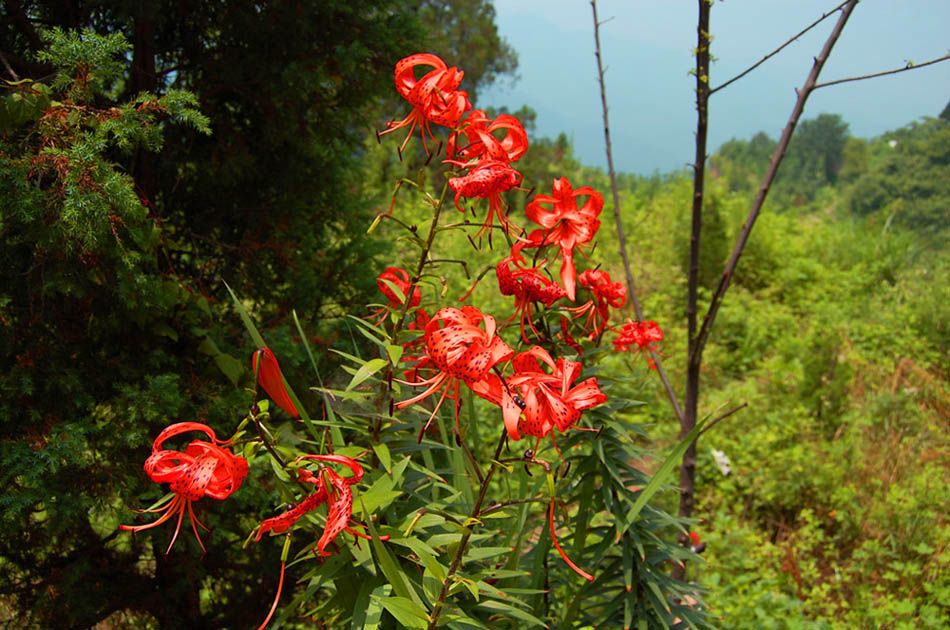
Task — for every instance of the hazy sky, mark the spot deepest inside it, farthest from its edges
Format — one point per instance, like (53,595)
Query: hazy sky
(648,45)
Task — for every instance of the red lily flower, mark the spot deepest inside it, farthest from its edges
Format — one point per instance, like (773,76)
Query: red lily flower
(265,366)
(528,286)
(435,97)
(605,294)
(487,180)
(460,350)
(333,490)
(478,130)
(565,334)
(565,224)
(398,278)
(644,335)
(203,469)
(548,400)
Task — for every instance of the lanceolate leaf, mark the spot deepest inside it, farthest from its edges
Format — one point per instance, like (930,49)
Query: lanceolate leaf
(672,461)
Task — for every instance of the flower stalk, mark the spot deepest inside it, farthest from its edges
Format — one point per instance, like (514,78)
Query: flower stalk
(463,542)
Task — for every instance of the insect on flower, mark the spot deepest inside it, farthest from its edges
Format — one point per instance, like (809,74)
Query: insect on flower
(549,399)
(203,469)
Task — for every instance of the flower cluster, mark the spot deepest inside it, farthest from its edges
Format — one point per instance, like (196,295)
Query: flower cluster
(461,345)
(538,394)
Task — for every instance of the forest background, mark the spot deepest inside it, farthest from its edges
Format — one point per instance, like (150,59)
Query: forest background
(113,318)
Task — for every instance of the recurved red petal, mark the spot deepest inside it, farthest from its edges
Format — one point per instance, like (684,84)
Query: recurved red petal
(341,509)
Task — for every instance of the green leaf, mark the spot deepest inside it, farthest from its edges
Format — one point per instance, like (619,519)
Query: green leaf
(380,495)
(389,566)
(395,289)
(382,452)
(394,352)
(406,612)
(672,461)
(366,370)
(230,367)
(511,611)
(369,607)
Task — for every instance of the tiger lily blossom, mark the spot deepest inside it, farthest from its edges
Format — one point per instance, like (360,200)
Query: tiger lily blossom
(478,130)
(605,295)
(391,280)
(528,286)
(643,334)
(332,489)
(547,400)
(566,225)
(435,97)
(487,180)
(265,366)
(459,349)
(204,469)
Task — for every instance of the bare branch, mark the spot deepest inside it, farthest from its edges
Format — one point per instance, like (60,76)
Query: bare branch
(6,64)
(909,66)
(777,50)
(631,287)
(721,418)
(696,354)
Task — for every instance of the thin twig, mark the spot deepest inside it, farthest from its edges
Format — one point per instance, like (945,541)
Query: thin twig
(721,418)
(909,66)
(631,287)
(504,504)
(6,64)
(777,50)
(807,89)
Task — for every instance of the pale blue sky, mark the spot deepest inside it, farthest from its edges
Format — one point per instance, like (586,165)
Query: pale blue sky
(648,46)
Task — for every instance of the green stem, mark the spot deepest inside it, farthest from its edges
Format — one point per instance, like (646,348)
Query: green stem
(463,543)
(423,259)
(267,443)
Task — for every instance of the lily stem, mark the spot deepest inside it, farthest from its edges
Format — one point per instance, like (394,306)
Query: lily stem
(463,543)
(267,443)
(423,259)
